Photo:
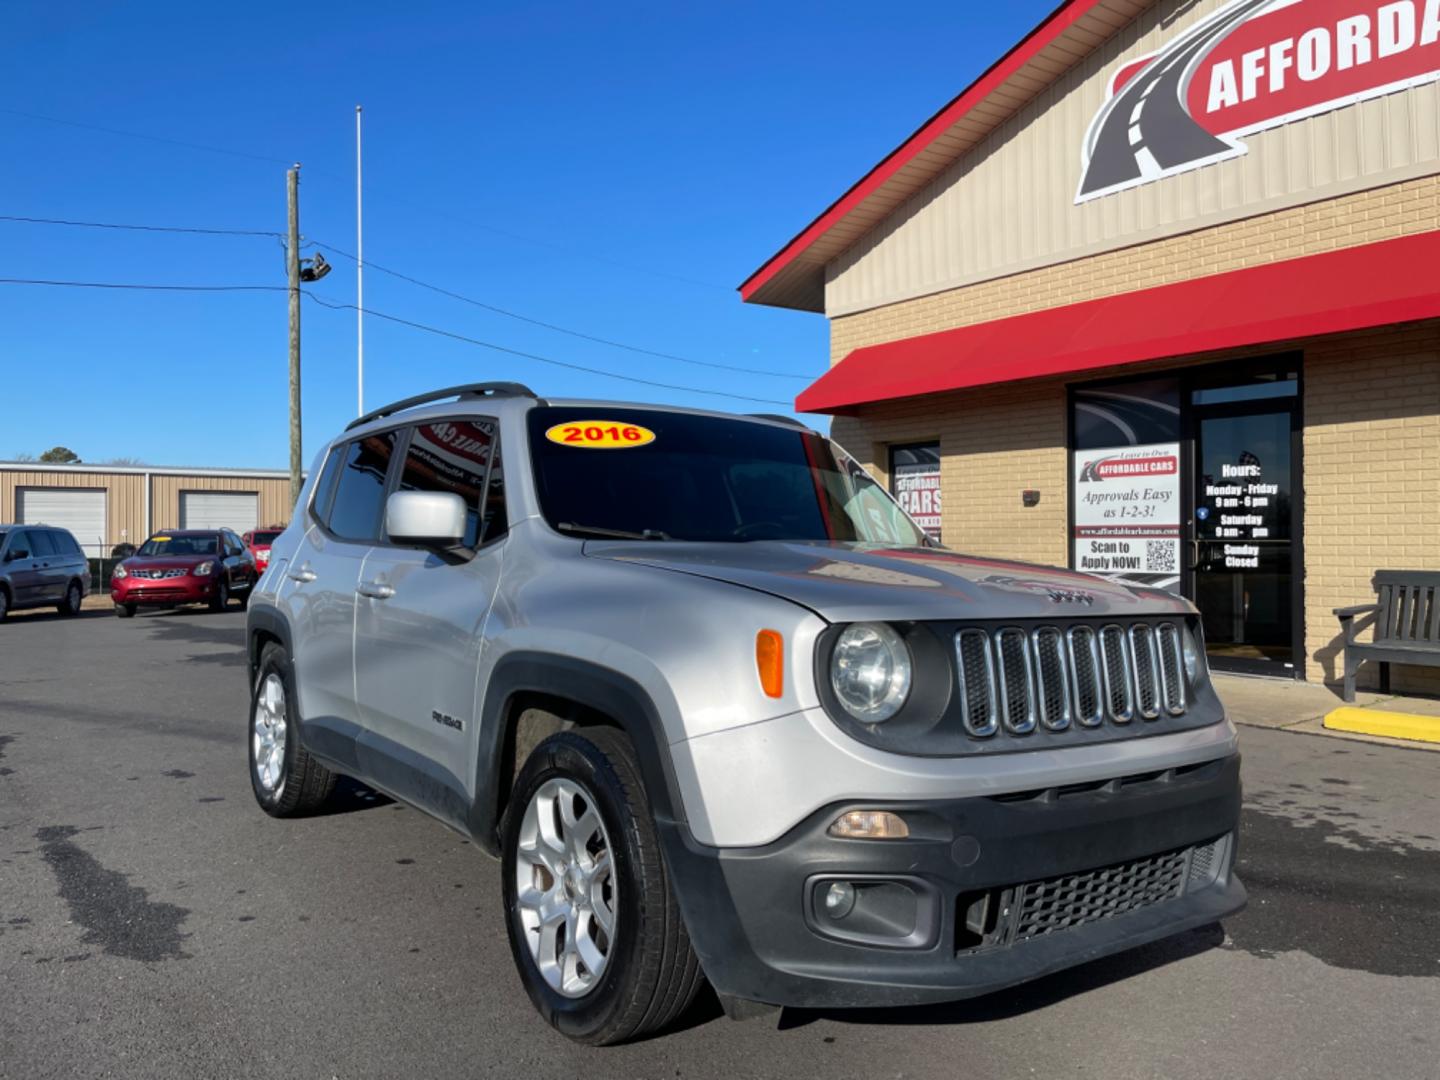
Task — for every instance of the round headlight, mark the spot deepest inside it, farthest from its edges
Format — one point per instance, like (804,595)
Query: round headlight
(1194,656)
(870,672)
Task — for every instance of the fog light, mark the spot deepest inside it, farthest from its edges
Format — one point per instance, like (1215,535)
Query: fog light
(839,900)
(870,825)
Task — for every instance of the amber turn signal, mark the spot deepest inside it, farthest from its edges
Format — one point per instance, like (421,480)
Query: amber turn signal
(770,662)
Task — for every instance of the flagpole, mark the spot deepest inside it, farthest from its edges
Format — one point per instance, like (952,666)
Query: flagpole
(359,281)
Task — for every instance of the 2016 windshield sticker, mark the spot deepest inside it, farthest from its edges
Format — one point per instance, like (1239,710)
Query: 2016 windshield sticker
(600,435)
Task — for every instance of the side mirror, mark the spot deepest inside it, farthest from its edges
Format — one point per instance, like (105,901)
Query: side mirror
(431,519)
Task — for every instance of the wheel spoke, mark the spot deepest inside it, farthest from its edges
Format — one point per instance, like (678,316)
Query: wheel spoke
(587,948)
(604,914)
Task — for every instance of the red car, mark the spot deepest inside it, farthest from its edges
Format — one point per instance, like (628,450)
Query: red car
(259,541)
(184,566)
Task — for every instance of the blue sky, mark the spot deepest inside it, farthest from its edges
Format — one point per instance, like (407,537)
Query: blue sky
(617,169)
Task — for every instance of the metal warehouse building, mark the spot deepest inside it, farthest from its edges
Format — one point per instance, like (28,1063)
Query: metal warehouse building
(1158,297)
(106,505)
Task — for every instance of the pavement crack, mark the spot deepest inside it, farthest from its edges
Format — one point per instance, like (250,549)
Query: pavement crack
(118,917)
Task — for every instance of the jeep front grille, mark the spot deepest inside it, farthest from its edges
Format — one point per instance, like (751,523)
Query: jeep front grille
(1014,680)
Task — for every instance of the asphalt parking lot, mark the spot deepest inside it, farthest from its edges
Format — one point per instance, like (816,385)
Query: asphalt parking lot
(154,923)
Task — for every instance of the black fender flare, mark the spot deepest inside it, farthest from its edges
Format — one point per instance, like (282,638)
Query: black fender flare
(587,684)
(262,621)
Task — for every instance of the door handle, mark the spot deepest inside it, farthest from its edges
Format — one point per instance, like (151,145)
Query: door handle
(303,575)
(375,590)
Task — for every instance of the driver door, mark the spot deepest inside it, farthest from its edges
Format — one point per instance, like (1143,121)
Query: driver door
(420,618)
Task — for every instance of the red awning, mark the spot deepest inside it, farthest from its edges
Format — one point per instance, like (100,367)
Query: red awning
(1373,285)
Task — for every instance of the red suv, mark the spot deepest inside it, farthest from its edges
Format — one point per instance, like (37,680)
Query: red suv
(184,566)
(259,541)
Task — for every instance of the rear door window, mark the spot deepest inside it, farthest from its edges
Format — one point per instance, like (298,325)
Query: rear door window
(360,489)
(41,546)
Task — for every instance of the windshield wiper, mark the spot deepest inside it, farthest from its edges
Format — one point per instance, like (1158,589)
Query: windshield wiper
(612,534)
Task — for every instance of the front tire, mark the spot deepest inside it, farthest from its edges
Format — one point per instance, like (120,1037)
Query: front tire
(73,599)
(594,927)
(125,611)
(221,600)
(286,780)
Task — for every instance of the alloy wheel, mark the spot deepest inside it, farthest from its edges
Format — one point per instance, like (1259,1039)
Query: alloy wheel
(565,887)
(267,737)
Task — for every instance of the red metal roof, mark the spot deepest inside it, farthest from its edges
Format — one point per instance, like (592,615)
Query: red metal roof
(794,276)
(1352,289)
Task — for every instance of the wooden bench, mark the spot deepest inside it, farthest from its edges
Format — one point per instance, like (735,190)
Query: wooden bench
(1406,617)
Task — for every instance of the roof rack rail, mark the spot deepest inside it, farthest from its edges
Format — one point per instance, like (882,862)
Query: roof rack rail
(469,390)
(777,418)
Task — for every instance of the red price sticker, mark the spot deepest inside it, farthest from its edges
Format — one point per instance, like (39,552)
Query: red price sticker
(600,435)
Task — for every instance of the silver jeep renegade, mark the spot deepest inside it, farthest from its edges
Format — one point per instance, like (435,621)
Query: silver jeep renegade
(724,713)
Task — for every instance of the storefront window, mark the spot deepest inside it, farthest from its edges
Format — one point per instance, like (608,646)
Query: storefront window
(915,483)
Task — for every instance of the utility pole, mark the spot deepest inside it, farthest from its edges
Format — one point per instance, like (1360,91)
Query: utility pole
(292,268)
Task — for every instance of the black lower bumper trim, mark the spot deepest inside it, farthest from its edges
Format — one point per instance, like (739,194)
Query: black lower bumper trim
(751,912)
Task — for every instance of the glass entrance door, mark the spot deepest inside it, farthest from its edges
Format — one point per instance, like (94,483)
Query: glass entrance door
(1245,526)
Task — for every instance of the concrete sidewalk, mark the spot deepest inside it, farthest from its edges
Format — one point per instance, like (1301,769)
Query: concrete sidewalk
(1300,706)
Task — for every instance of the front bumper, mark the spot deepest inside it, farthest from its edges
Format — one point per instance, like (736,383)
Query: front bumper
(757,919)
(188,589)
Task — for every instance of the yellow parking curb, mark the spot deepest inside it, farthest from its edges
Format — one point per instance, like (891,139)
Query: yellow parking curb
(1391,725)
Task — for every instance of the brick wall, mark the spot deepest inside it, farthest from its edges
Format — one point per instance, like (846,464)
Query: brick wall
(1368,216)
(1372,486)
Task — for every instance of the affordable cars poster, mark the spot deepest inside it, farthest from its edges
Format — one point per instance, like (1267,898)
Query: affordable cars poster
(1127,512)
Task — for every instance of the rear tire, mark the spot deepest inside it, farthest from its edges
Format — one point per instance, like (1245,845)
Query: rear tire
(286,780)
(74,596)
(4,605)
(125,611)
(650,974)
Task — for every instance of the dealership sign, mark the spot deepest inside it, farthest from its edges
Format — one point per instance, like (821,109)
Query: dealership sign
(1252,65)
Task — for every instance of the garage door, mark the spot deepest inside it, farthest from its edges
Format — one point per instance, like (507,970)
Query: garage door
(219,510)
(82,512)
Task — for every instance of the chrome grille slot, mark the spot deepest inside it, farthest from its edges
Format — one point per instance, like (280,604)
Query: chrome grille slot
(1171,662)
(1051,678)
(977,682)
(1016,680)
(1012,665)
(1113,663)
(1085,666)
(1145,670)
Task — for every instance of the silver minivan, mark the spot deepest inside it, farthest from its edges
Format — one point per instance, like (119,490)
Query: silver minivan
(41,566)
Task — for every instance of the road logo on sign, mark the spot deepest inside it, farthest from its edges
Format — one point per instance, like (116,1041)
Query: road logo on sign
(1252,65)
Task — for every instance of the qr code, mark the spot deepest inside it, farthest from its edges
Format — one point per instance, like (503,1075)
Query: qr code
(1160,556)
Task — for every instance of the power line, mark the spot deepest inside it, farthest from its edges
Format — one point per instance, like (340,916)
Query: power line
(611,343)
(370,264)
(140,228)
(542,359)
(400,321)
(414,204)
(142,135)
(141,287)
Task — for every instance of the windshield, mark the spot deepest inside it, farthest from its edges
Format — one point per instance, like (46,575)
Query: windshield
(641,474)
(260,538)
(178,545)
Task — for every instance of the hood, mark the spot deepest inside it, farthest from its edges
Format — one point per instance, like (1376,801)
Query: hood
(858,582)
